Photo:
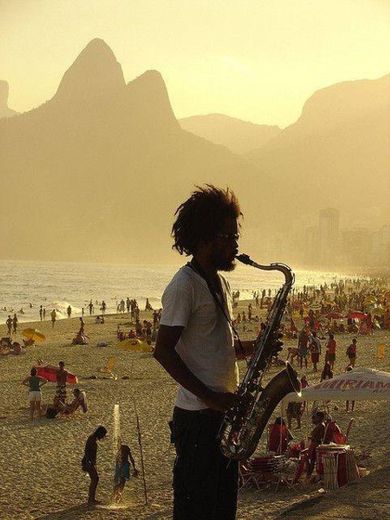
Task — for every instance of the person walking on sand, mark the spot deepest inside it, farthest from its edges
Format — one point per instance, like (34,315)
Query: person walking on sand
(195,345)
(69,311)
(44,313)
(53,316)
(34,384)
(88,462)
(40,313)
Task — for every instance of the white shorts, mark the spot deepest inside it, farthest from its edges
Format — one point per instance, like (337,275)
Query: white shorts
(34,396)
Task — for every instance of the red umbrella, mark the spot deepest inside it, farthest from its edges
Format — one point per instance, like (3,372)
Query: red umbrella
(49,372)
(356,315)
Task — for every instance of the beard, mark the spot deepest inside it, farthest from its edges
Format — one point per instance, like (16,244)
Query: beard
(222,263)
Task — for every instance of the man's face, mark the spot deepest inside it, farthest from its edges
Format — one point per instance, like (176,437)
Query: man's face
(225,246)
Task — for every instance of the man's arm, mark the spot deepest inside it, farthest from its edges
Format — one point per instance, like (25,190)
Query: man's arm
(167,356)
(244,350)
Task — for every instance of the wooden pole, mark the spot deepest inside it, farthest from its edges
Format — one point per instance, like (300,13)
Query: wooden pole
(141,451)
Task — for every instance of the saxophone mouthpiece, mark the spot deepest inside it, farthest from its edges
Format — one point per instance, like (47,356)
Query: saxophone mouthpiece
(244,259)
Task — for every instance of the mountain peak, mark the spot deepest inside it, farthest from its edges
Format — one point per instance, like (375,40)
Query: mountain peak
(345,100)
(148,96)
(4,110)
(94,74)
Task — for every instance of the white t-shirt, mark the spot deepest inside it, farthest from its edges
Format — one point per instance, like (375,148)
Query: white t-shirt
(206,344)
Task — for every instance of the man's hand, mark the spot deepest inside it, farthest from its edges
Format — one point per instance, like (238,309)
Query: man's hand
(220,401)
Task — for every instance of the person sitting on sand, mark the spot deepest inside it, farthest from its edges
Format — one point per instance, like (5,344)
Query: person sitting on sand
(279,436)
(81,338)
(34,384)
(17,349)
(122,471)
(327,372)
(79,401)
(88,462)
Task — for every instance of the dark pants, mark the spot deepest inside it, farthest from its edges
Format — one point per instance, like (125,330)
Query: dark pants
(205,482)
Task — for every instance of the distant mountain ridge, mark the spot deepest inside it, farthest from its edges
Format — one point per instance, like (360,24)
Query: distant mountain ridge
(96,172)
(237,135)
(336,154)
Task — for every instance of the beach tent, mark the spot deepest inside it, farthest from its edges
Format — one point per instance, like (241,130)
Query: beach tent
(359,384)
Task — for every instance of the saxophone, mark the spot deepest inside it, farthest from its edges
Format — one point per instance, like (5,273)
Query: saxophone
(244,423)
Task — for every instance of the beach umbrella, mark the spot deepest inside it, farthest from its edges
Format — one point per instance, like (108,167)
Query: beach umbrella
(359,384)
(356,315)
(33,334)
(49,372)
(134,345)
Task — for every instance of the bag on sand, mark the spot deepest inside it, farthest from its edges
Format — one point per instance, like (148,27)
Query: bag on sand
(51,413)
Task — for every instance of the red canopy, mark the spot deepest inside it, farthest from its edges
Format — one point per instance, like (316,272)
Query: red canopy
(49,372)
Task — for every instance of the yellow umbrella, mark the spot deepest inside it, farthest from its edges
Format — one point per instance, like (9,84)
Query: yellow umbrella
(134,345)
(33,334)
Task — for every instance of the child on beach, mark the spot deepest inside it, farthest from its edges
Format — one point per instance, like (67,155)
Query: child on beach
(122,471)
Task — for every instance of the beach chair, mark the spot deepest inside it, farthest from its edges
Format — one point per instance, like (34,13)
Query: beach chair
(108,368)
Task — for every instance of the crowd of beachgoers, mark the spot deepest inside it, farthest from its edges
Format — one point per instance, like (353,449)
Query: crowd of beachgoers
(113,364)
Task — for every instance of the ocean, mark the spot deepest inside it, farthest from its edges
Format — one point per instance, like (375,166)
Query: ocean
(59,284)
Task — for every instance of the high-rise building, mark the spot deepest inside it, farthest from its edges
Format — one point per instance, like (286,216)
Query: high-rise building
(328,236)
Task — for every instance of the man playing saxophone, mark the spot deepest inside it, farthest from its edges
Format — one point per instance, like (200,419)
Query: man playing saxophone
(195,345)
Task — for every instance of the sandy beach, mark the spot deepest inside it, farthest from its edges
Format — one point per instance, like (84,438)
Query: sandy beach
(40,462)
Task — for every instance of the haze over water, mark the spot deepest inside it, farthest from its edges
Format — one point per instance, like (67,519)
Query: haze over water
(58,284)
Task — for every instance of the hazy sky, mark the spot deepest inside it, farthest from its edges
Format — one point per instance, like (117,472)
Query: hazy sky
(258,60)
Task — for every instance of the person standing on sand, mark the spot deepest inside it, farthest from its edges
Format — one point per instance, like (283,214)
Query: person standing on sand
(40,313)
(195,345)
(35,384)
(9,324)
(15,323)
(61,377)
(88,462)
(351,352)
(53,316)
(69,311)
(122,471)
(44,313)
(331,351)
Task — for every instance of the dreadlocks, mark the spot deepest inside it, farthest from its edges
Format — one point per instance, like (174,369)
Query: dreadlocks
(201,217)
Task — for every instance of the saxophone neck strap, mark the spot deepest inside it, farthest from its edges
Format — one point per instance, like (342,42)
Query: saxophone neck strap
(196,267)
